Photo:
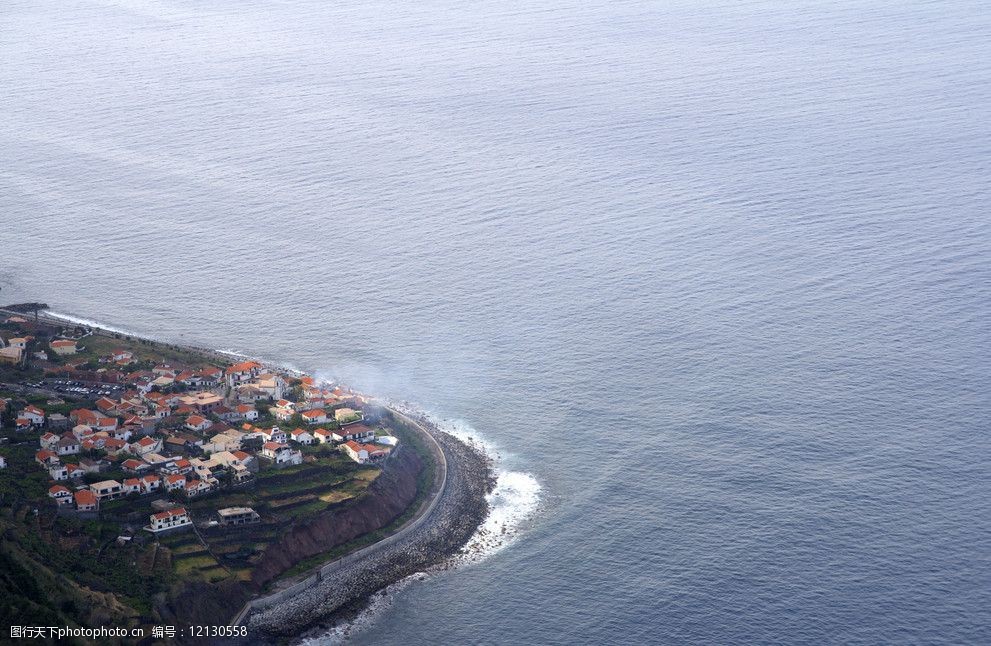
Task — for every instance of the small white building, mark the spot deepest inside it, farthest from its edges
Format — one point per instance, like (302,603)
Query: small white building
(60,494)
(281,453)
(302,436)
(63,347)
(315,416)
(169,519)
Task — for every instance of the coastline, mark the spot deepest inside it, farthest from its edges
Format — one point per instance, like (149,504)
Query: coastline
(454,509)
(349,583)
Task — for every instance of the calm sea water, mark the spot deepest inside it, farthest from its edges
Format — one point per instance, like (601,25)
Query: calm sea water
(718,275)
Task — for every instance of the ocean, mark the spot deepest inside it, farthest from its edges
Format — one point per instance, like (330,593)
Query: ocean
(713,279)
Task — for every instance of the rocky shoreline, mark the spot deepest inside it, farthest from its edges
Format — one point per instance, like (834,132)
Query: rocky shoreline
(456,516)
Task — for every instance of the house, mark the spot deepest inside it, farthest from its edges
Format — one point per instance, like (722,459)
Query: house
(275,434)
(315,416)
(281,453)
(180,466)
(241,372)
(197,488)
(363,453)
(169,519)
(155,459)
(113,446)
(63,347)
(246,412)
(165,369)
(387,440)
(18,342)
(211,375)
(357,432)
(175,482)
(237,516)
(33,413)
(203,401)
(197,423)
(134,466)
(323,436)
(281,413)
(58,472)
(229,440)
(60,494)
(3,462)
(272,385)
(121,356)
(74,471)
(355,451)
(46,458)
(107,490)
(146,445)
(249,393)
(107,406)
(86,500)
(162,382)
(93,419)
(67,445)
(49,441)
(11,355)
(93,466)
(226,414)
(132,485)
(189,377)
(151,483)
(228,458)
(302,436)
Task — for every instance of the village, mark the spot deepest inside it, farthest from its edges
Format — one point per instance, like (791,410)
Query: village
(122,428)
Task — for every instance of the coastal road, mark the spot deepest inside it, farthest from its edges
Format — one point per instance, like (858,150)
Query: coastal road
(329,569)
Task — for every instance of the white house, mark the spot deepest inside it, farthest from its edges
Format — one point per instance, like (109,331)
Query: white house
(197,423)
(146,445)
(60,494)
(281,453)
(241,372)
(86,500)
(275,434)
(197,488)
(175,482)
(151,483)
(67,445)
(302,436)
(58,472)
(169,519)
(247,412)
(33,413)
(315,416)
(355,451)
(63,347)
(323,436)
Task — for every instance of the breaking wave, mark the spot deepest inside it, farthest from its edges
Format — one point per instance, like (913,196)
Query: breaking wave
(513,502)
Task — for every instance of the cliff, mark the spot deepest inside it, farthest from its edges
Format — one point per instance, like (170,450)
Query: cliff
(386,499)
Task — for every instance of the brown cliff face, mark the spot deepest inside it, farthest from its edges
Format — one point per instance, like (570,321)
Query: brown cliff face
(385,500)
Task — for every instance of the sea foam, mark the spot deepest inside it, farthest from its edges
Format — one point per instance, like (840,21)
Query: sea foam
(513,502)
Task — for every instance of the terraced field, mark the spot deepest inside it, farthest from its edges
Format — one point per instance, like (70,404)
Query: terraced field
(281,497)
